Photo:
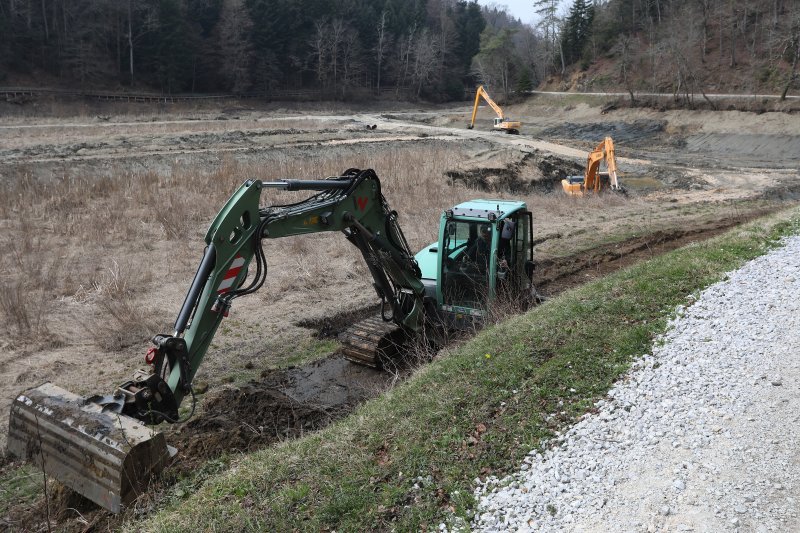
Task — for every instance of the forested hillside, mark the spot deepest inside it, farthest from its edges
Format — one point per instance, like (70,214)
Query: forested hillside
(244,45)
(679,46)
(431,49)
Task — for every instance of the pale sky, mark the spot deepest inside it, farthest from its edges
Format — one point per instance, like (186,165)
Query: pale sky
(521,9)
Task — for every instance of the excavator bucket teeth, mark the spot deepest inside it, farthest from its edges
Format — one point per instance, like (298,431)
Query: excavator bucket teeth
(105,456)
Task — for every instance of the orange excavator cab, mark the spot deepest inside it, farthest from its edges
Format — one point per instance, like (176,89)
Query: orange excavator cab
(593,180)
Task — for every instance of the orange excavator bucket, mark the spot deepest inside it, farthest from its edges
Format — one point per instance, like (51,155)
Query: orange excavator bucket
(106,456)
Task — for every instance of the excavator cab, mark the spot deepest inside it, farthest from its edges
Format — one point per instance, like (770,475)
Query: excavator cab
(484,252)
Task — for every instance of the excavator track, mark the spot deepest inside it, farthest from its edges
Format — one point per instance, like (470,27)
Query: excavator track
(372,342)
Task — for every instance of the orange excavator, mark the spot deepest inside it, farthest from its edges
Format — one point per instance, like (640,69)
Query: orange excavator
(594,180)
(500,122)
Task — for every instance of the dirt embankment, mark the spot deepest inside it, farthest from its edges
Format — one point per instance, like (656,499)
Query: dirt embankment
(535,172)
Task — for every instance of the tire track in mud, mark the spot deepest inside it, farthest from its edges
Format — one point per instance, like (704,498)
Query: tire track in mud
(555,275)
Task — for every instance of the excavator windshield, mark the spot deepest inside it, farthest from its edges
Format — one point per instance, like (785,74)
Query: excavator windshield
(465,264)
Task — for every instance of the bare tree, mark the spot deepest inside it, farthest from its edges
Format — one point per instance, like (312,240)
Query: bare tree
(426,56)
(404,57)
(624,50)
(792,46)
(549,24)
(705,11)
(381,46)
(734,22)
(136,33)
(337,29)
(681,43)
(321,52)
(352,65)
(236,52)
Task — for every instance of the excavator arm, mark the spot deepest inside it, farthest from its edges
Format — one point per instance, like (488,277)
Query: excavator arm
(99,446)
(603,151)
(352,204)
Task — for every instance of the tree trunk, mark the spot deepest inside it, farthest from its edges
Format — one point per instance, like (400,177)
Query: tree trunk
(707,99)
(117,41)
(732,62)
(44,19)
(381,37)
(705,7)
(793,71)
(721,48)
(130,38)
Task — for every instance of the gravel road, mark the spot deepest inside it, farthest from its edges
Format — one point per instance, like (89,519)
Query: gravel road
(700,435)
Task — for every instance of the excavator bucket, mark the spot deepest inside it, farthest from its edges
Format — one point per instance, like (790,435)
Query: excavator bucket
(105,456)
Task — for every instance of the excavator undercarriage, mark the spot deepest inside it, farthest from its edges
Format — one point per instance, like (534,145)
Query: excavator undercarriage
(373,342)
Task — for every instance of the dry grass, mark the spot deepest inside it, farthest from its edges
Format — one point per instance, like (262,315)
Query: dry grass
(129,241)
(158,131)
(108,243)
(64,108)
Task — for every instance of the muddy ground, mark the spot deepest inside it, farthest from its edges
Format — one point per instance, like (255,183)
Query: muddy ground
(274,372)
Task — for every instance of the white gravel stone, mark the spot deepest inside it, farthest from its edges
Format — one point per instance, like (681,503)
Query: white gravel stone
(705,427)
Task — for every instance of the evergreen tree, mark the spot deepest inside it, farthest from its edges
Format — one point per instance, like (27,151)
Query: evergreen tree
(524,81)
(548,25)
(469,25)
(575,34)
(168,48)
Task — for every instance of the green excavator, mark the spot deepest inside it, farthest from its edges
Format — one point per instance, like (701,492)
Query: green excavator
(105,446)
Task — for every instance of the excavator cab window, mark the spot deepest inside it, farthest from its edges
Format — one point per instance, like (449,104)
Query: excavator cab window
(464,278)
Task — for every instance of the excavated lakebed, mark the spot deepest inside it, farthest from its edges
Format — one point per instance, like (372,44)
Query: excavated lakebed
(291,402)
